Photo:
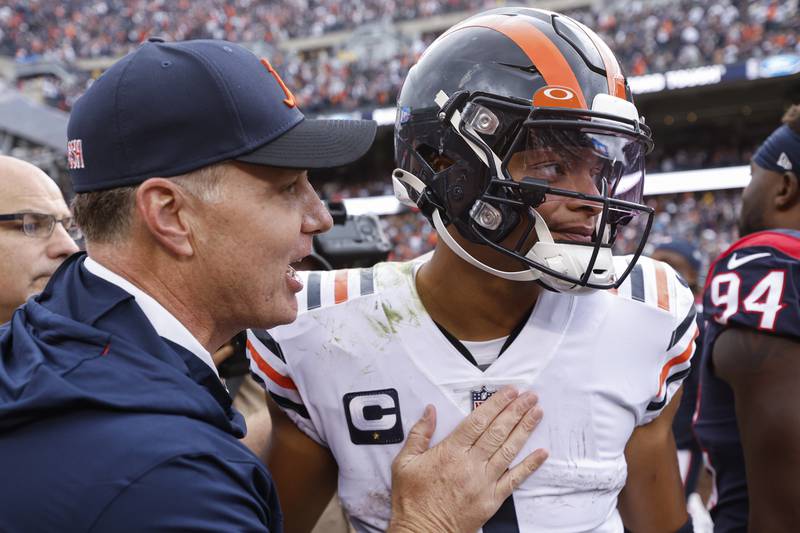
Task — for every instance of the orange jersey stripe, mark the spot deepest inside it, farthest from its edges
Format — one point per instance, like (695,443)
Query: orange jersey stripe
(662,287)
(678,359)
(340,287)
(279,379)
(537,46)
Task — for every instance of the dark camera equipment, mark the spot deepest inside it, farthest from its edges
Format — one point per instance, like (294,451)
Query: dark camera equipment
(354,240)
(237,364)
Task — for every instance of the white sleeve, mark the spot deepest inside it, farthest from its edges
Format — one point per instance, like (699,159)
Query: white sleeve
(675,363)
(269,367)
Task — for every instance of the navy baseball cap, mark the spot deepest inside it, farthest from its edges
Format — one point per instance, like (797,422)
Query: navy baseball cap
(685,249)
(170,108)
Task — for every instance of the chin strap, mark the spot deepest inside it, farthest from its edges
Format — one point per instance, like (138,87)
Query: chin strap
(573,259)
(520,275)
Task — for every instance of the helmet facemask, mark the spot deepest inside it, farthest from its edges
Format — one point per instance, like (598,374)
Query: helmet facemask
(536,160)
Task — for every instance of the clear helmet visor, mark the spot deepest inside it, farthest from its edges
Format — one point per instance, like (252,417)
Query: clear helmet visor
(595,164)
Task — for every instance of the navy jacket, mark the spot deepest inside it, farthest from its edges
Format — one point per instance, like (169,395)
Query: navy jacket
(105,426)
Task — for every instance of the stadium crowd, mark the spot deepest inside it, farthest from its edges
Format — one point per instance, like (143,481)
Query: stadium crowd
(647,37)
(659,36)
(695,157)
(103,28)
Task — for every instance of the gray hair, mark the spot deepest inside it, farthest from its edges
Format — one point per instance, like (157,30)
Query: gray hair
(105,216)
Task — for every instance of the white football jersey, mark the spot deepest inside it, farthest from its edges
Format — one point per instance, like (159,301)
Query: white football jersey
(363,359)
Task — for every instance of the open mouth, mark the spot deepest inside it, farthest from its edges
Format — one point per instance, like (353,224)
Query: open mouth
(292,273)
(293,279)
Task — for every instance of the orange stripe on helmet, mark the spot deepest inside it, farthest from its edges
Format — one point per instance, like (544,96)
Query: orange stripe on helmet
(616,80)
(542,52)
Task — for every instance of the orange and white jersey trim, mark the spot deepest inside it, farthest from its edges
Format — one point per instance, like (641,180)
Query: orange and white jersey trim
(326,288)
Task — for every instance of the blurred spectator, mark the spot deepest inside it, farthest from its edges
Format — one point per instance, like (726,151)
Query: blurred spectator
(411,235)
(659,36)
(647,36)
(335,191)
(695,157)
(705,219)
(36,232)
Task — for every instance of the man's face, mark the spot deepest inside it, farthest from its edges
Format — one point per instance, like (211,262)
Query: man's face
(568,219)
(757,206)
(26,263)
(264,222)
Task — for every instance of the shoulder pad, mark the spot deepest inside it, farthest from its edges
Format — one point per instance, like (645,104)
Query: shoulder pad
(653,283)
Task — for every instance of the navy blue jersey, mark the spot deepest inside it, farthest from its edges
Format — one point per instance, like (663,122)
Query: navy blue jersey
(755,284)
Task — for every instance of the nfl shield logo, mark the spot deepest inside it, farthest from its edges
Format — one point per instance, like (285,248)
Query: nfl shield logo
(480,396)
(403,115)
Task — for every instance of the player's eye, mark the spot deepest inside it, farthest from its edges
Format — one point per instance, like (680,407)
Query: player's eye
(550,170)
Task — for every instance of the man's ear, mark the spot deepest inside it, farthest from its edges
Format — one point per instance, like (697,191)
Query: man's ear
(161,204)
(789,191)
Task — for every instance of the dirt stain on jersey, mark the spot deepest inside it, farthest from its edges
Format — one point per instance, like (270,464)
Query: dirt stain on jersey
(372,509)
(392,316)
(396,283)
(380,327)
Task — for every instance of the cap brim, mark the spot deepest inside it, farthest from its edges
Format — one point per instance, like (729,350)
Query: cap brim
(316,143)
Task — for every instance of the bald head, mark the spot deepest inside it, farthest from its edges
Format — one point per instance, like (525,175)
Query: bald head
(23,185)
(26,263)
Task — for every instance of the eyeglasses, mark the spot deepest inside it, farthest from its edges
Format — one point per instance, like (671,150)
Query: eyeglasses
(40,225)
